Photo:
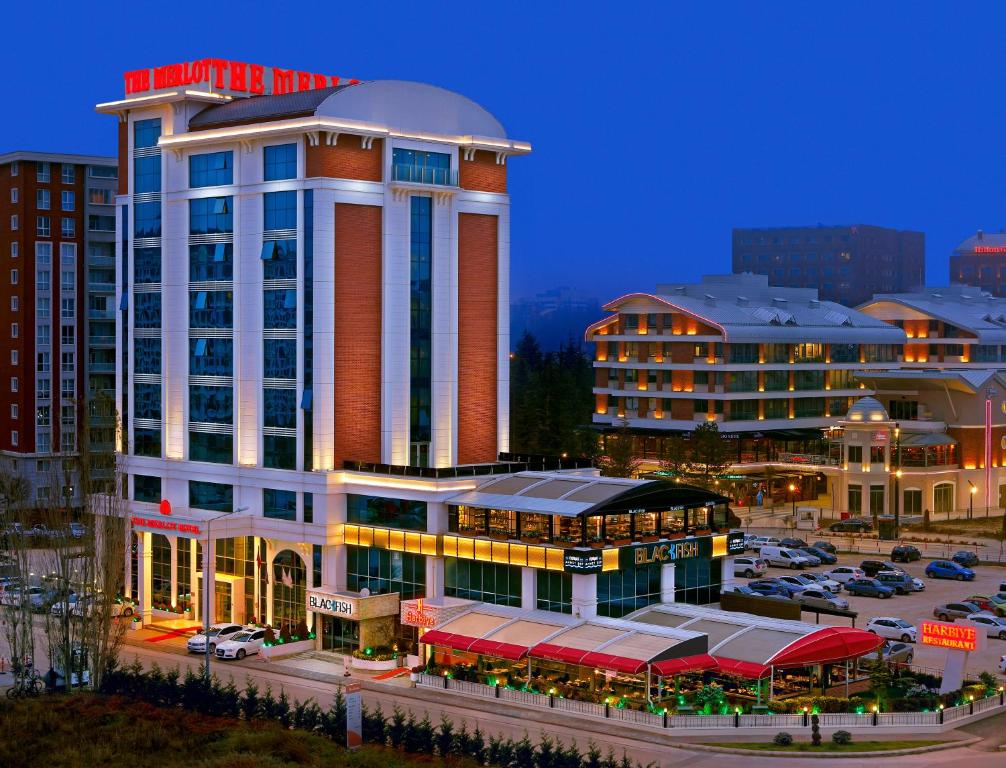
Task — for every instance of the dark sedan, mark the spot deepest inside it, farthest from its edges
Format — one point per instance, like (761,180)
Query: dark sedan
(825,557)
(965,558)
(825,546)
(905,553)
(851,526)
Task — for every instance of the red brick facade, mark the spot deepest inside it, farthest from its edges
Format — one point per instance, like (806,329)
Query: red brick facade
(123,158)
(357,333)
(971,446)
(478,268)
(483,173)
(346,160)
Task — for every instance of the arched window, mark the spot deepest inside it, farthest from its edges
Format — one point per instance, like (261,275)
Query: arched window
(943,497)
(289,590)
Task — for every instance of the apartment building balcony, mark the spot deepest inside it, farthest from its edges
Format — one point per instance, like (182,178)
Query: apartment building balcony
(101,367)
(101,341)
(100,314)
(424,175)
(100,287)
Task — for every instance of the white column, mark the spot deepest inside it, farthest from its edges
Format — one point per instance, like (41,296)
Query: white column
(444,333)
(209,581)
(257,582)
(434,577)
(173,543)
(528,592)
(727,576)
(395,279)
(585,595)
(667,577)
(194,591)
(248,301)
(270,553)
(333,568)
(144,563)
(324,331)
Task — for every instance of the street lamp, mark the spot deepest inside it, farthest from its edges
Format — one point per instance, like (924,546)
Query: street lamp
(206,590)
(971,499)
(792,498)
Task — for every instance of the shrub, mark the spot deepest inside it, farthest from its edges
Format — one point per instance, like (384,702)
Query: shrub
(444,737)
(841,737)
(375,726)
(250,701)
(990,681)
(815,730)
(783,739)
(382,653)
(396,729)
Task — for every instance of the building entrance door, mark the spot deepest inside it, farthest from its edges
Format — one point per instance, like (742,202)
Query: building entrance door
(224,602)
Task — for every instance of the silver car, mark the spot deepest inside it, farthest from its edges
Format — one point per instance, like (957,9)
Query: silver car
(994,626)
(815,597)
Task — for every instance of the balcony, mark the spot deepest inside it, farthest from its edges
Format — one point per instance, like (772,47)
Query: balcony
(101,367)
(101,341)
(100,287)
(100,314)
(421,174)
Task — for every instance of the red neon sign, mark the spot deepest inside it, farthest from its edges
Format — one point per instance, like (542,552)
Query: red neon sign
(223,75)
(990,249)
(165,507)
(164,525)
(953,636)
(416,617)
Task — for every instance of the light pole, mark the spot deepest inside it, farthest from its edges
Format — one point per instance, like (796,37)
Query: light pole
(971,500)
(206,590)
(792,498)
(897,480)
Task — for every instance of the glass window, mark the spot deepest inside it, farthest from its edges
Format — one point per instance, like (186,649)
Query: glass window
(808,407)
(68,227)
(386,512)
(146,174)
(146,219)
(147,265)
(68,173)
(215,497)
(280,309)
(855,499)
(211,216)
(279,452)
(421,167)
(43,226)
(211,261)
(743,353)
(213,405)
(280,505)
(494,583)
(146,488)
(382,571)
(289,603)
(206,446)
(147,310)
(211,309)
(626,590)
(42,199)
(146,355)
(147,401)
(280,162)
(68,199)
(211,357)
(697,581)
(555,591)
(146,133)
(97,223)
(280,210)
(280,408)
(280,358)
(43,171)
(146,442)
(211,170)
(943,497)
(813,380)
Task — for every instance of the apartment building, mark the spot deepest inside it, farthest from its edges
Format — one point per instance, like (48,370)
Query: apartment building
(57,318)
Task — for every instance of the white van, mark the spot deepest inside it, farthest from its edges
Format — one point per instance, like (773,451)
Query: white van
(784,557)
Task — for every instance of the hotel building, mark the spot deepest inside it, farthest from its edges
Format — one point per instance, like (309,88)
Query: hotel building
(313,370)
(980,261)
(57,319)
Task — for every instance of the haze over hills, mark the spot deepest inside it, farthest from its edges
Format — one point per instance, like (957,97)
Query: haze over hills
(554,317)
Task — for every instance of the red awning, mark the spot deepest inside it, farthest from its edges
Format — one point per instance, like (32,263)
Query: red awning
(558,653)
(748,669)
(827,646)
(613,663)
(447,640)
(700,662)
(507,651)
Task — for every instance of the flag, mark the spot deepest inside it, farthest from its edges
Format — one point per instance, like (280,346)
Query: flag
(287,578)
(261,564)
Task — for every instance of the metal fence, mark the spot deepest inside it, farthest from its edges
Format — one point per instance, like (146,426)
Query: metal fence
(700,722)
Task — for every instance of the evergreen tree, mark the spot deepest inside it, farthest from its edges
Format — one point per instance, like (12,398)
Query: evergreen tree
(396,729)
(444,737)
(709,456)
(250,700)
(619,459)
(283,709)
(523,753)
(675,456)
(477,746)
(593,757)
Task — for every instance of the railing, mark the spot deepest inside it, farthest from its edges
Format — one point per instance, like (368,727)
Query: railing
(805,458)
(508,464)
(421,174)
(703,722)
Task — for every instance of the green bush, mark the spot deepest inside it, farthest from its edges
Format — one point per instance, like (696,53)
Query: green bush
(841,737)
(783,739)
(382,653)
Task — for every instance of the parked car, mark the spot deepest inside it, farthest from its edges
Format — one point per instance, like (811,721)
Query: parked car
(77,530)
(843,574)
(793,543)
(823,557)
(823,581)
(989,603)
(799,582)
(119,607)
(815,597)
(69,604)
(948,569)
(762,541)
(216,633)
(954,611)
(825,546)
(749,567)
(749,541)
(241,644)
(868,587)
(851,526)
(905,553)
(897,653)
(771,587)
(813,559)
(965,558)
(994,626)
(744,589)
(15,595)
(892,628)
(900,581)
(872,567)
(783,557)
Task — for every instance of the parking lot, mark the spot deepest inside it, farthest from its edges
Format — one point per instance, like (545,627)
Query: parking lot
(917,606)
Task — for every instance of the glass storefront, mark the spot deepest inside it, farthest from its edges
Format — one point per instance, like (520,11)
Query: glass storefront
(486,582)
(289,590)
(337,634)
(697,581)
(628,589)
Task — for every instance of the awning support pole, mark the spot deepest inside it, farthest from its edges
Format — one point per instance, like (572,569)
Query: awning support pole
(846,678)
(771,683)
(649,690)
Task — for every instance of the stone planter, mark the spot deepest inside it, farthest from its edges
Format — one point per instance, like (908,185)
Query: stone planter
(373,665)
(412,660)
(287,649)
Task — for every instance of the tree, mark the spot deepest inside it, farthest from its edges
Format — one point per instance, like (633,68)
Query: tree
(619,459)
(709,454)
(16,608)
(676,455)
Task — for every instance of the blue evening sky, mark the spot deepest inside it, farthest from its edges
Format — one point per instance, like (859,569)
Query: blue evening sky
(656,127)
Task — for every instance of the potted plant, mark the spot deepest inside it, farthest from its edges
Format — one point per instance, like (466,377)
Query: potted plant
(415,672)
(596,543)
(529,538)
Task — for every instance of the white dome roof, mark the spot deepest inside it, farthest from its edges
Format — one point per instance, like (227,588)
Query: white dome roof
(867,409)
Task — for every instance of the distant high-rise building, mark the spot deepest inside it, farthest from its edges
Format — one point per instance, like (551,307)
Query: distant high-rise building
(57,316)
(847,264)
(981,261)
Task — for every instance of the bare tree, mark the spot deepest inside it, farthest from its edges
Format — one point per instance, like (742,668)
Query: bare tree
(16,603)
(84,561)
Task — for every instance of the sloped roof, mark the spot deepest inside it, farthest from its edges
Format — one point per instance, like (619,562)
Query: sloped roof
(263,108)
(971,309)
